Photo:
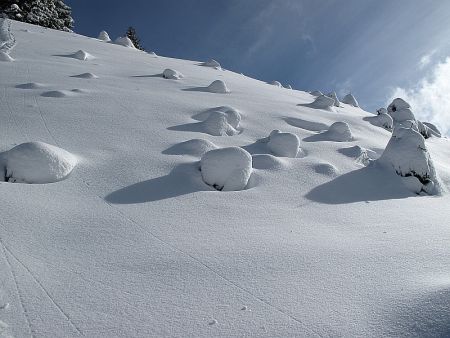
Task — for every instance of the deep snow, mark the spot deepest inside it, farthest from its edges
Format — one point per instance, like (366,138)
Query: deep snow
(135,243)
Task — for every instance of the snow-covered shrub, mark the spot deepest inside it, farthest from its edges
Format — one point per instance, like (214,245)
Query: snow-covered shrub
(288,86)
(323,102)
(7,40)
(104,36)
(124,41)
(82,55)
(350,100)
(276,84)
(218,86)
(382,120)
(316,93)
(226,169)
(407,154)
(433,129)
(283,144)
(335,98)
(37,162)
(233,116)
(381,111)
(172,74)
(340,132)
(217,125)
(212,63)
(400,110)
(53,14)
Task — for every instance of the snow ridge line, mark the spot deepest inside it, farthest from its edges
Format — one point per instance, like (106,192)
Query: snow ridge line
(43,289)
(198,261)
(19,293)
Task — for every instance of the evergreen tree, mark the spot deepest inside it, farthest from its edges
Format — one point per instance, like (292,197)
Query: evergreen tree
(131,34)
(47,13)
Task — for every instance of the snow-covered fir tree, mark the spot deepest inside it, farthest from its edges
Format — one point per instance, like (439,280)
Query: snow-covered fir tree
(47,13)
(132,35)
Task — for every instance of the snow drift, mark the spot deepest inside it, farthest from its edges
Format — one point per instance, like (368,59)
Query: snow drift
(172,74)
(323,102)
(218,86)
(350,100)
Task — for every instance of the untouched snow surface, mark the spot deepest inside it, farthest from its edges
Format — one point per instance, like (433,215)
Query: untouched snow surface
(134,244)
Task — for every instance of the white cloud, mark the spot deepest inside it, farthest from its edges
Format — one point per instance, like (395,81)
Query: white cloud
(430,99)
(426,59)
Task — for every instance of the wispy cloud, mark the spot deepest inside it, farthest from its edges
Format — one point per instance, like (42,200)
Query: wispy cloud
(430,99)
(426,59)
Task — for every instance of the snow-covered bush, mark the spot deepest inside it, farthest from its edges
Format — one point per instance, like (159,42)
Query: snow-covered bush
(400,110)
(172,74)
(381,111)
(350,100)
(233,115)
(335,98)
(37,162)
(218,86)
(407,154)
(217,125)
(433,129)
(124,41)
(104,36)
(7,40)
(226,169)
(276,84)
(82,55)
(382,120)
(283,144)
(212,63)
(323,102)
(340,132)
(53,14)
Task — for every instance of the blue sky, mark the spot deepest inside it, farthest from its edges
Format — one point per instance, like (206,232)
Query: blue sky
(373,48)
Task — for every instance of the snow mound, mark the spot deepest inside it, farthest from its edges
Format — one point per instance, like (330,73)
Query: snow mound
(361,155)
(218,86)
(267,162)
(104,36)
(172,74)
(382,120)
(195,147)
(226,169)
(276,84)
(86,76)
(217,125)
(82,55)
(31,85)
(326,169)
(57,93)
(38,162)
(433,129)
(5,57)
(400,111)
(339,132)
(407,154)
(283,144)
(233,115)
(124,41)
(323,102)
(335,98)
(212,63)
(350,100)
(316,93)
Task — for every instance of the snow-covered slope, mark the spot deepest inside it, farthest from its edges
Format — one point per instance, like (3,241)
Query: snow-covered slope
(134,243)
